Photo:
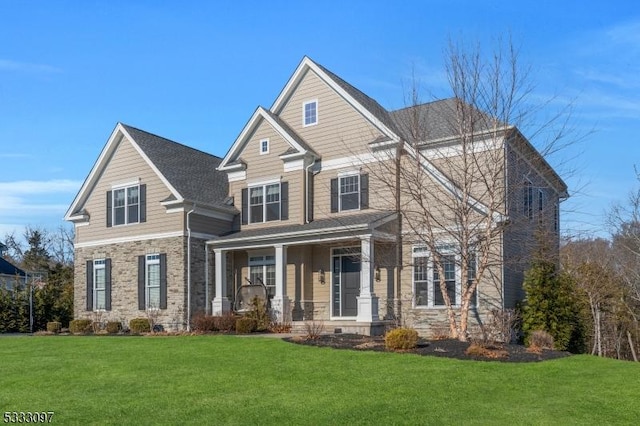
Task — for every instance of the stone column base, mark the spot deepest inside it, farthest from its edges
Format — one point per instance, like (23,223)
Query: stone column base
(367,308)
(281,309)
(220,305)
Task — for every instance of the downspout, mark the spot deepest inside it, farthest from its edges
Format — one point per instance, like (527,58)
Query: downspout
(206,278)
(306,190)
(189,267)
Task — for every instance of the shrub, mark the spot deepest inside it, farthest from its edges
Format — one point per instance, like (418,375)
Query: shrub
(80,326)
(114,327)
(205,323)
(226,322)
(482,351)
(401,338)
(540,339)
(140,325)
(54,327)
(245,325)
(259,313)
(279,327)
(313,329)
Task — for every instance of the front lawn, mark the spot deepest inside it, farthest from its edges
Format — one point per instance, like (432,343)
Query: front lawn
(247,380)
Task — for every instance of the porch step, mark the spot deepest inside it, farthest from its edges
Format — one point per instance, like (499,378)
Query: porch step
(375,328)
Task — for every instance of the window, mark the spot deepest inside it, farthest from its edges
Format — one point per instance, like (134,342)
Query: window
(99,285)
(310,113)
(540,205)
(264,146)
(556,217)
(350,192)
(265,203)
(263,268)
(426,277)
(126,205)
(528,199)
(152,281)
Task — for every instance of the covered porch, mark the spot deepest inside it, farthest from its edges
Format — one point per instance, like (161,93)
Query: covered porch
(325,271)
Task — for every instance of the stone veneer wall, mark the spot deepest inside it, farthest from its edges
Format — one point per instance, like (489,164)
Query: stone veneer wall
(124,280)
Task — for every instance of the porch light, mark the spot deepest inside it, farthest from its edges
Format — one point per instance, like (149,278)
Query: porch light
(377,274)
(321,275)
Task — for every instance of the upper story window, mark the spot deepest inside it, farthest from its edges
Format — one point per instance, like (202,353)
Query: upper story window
(310,113)
(350,192)
(126,205)
(265,203)
(264,146)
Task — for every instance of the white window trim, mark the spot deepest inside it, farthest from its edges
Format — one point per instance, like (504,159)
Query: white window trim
(304,107)
(263,151)
(264,201)
(150,259)
(126,205)
(99,264)
(346,175)
(425,252)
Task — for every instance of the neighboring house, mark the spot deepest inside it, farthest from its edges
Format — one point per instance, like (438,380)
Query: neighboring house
(296,204)
(11,277)
(141,218)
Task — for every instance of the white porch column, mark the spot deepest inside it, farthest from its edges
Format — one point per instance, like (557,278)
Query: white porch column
(367,301)
(280,302)
(220,304)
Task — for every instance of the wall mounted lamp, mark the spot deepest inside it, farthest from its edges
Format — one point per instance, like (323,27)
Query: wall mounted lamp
(321,275)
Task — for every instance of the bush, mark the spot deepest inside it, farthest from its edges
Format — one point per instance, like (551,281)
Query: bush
(226,322)
(114,327)
(54,327)
(401,338)
(140,325)
(204,323)
(259,313)
(486,351)
(80,326)
(540,339)
(245,325)
(313,329)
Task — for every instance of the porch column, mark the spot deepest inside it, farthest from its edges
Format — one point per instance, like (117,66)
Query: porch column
(280,302)
(367,301)
(220,304)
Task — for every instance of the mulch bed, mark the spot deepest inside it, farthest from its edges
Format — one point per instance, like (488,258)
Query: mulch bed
(448,348)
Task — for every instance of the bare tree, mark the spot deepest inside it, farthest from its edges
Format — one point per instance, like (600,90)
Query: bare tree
(451,178)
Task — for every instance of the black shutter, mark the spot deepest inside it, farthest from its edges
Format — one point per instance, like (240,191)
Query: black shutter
(143,203)
(107,284)
(163,281)
(310,197)
(89,285)
(141,274)
(364,191)
(284,201)
(334,195)
(109,209)
(245,206)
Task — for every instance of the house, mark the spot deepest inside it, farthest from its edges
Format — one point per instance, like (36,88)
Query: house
(142,217)
(11,277)
(303,202)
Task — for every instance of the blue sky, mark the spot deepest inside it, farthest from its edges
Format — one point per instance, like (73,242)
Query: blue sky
(194,72)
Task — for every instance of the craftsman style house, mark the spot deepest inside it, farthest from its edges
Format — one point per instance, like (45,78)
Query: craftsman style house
(302,202)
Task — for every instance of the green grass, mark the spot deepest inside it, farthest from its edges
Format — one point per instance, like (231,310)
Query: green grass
(236,380)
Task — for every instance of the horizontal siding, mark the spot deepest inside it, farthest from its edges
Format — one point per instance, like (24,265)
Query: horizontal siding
(127,165)
(261,166)
(208,225)
(341,130)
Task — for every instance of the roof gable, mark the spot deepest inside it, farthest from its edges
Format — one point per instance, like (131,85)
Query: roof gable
(189,174)
(298,145)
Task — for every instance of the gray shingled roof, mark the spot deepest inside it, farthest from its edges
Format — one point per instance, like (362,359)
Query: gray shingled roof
(435,120)
(6,268)
(319,225)
(190,171)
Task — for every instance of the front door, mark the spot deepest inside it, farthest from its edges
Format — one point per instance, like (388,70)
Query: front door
(345,282)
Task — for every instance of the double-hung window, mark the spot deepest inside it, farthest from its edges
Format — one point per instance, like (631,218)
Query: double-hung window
(263,268)
(448,263)
(126,205)
(350,192)
(152,281)
(310,113)
(265,203)
(99,285)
